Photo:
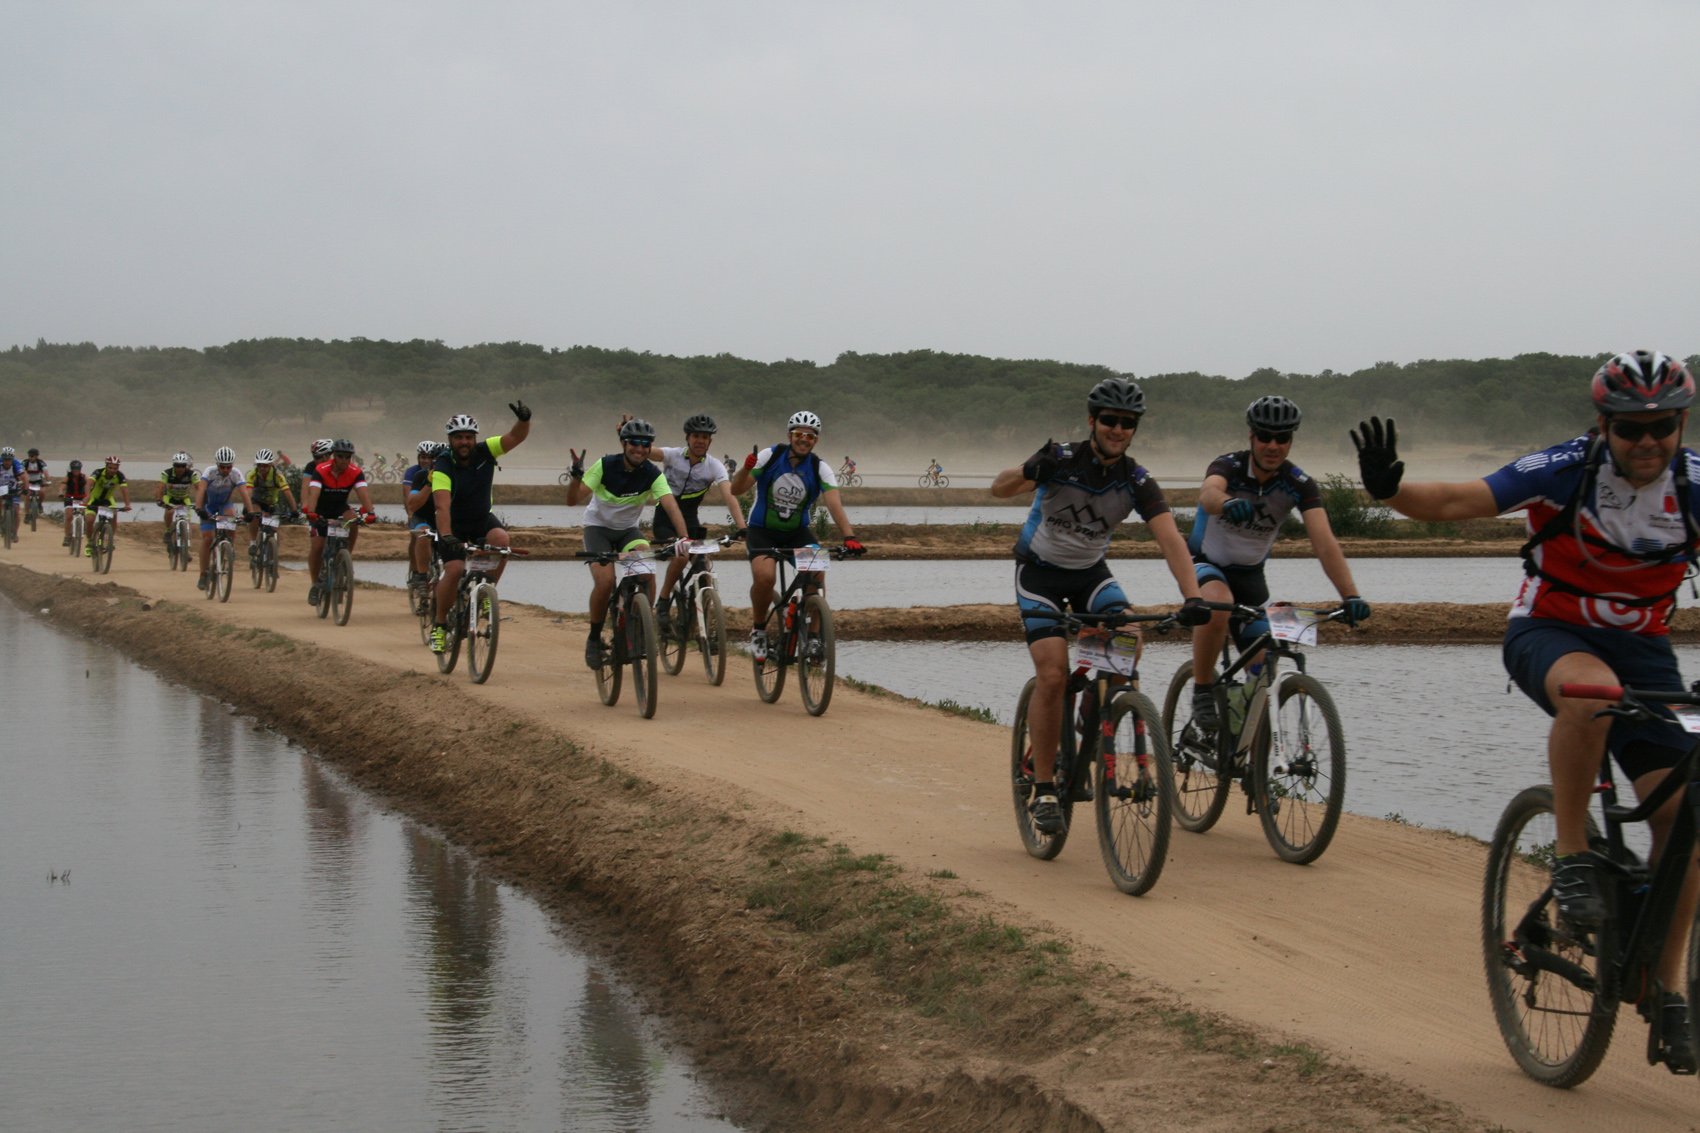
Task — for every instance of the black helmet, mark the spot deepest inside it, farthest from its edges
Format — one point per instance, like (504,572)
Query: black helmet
(1117,393)
(1273,415)
(35,452)
(76,466)
(701,423)
(441,450)
(1635,383)
(338,447)
(637,429)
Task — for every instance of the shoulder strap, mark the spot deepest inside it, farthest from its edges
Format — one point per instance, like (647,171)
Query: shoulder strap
(1559,523)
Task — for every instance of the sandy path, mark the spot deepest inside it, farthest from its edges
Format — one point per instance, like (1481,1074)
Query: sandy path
(1371,953)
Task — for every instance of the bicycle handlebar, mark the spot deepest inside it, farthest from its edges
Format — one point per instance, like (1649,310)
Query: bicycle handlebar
(1591,692)
(784,554)
(1633,696)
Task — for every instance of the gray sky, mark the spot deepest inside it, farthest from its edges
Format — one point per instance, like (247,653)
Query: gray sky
(1156,187)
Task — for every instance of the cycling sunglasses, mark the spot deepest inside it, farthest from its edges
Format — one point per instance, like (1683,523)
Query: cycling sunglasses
(1265,437)
(1633,431)
(1116,421)
(640,443)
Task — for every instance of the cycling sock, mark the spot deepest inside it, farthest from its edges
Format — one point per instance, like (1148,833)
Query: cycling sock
(1044,788)
(596,630)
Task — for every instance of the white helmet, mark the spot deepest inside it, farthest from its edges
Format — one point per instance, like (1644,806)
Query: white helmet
(803,419)
(8,452)
(427,447)
(224,455)
(322,446)
(461,423)
(265,456)
(180,458)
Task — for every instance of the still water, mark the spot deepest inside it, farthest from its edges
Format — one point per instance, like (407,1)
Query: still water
(1431,734)
(559,515)
(564,585)
(245,941)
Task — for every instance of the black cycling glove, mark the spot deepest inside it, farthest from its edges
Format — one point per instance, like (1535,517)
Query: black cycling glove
(521,410)
(1042,467)
(1379,466)
(1238,511)
(1192,613)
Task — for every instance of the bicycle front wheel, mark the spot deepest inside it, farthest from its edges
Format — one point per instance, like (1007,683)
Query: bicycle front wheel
(1196,791)
(1299,798)
(613,668)
(677,639)
(257,563)
(76,535)
(711,634)
(35,511)
(1040,845)
(483,625)
(224,572)
(770,670)
(1544,978)
(342,591)
(1131,800)
(185,550)
(268,556)
(817,655)
(454,631)
(640,628)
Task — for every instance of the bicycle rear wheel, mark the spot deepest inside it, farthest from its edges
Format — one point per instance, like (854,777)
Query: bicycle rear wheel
(224,570)
(76,535)
(268,554)
(7,535)
(342,593)
(711,634)
(1131,801)
(817,658)
(1557,1025)
(677,640)
(1299,802)
(1196,791)
(613,668)
(1040,845)
(34,510)
(640,629)
(484,623)
(185,550)
(770,670)
(257,562)
(454,631)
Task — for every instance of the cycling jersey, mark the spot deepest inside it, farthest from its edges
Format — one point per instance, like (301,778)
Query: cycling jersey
(266,488)
(691,481)
(334,487)
(419,476)
(1616,517)
(221,485)
(103,487)
(1074,512)
(35,470)
(1216,540)
(179,486)
(75,485)
(11,473)
(619,491)
(786,489)
(468,485)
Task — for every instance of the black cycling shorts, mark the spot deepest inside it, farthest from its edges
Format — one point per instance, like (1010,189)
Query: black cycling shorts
(1248,587)
(1041,589)
(763,539)
(608,540)
(477,531)
(663,526)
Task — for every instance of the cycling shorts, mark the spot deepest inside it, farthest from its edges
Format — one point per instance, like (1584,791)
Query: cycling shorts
(478,531)
(603,540)
(663,526)
(762,539)
(1040,588)
(1246,584)
(318,526)
(215,507)
(266,507)
(1533,645)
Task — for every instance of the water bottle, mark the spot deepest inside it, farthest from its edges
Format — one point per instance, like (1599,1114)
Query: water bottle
(1239,696)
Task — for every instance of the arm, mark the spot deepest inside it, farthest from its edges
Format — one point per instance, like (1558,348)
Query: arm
(829,499)
(745,476)
(1175,553)
(289,498)
(1011,482)
(1437,501)
(515,436)
(200,494)
(1328,552)
(309,496)
(1213,494)
(577,493)
(731,499)
(125,488)
(365,494)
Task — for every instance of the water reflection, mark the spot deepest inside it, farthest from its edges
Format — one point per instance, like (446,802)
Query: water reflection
(623,1071)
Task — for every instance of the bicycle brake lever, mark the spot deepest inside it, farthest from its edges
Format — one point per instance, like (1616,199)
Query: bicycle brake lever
(1638,715)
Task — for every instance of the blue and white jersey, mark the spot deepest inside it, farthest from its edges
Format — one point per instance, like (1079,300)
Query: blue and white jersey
(1215,540)
(1074,512)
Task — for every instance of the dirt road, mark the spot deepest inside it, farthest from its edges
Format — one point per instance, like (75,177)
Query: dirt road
(1370,954)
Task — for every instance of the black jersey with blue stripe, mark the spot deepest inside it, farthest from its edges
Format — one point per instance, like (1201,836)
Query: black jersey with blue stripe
(1074,512)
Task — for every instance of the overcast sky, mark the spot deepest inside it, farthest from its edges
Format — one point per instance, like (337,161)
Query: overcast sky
(1155,187)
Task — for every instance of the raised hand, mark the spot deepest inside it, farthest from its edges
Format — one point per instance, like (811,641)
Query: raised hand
(1379,466)
(577,469)
(750,460)
(521,410)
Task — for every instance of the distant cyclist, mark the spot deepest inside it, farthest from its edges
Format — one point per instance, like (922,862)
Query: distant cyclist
(1247,496)
(222,487)
(421,512)
(176,488)
(268,494)
(325,497)
(788,479)
(1082,491)
(73,490)
(35,475)
(105,487)
(461,482)
(1612,531)
(692,472)
(618,486)
(12,478)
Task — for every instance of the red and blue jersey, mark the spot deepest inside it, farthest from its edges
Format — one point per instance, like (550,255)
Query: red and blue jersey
(1616,518)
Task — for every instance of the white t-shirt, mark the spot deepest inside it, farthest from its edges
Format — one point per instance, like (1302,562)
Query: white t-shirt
(688,480)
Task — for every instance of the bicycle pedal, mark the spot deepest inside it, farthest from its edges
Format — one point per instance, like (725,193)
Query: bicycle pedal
(1082,791)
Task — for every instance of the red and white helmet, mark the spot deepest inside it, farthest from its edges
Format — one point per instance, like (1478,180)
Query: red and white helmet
(1640,381)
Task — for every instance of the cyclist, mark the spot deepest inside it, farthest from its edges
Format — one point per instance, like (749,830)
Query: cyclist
(74,489)
(934,469)
(421,512)
(12,476)
(692,472)
(265,485)
(35,475)
(788,479)
(617,487)
(1612,529)
(176,488)
(221,483)
(1246,497)
(326,497)
(847,469)
(104,488)
(1082,491)
(460,503)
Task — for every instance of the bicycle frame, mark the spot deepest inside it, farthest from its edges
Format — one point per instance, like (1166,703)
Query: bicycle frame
(1270,682)
(792,593)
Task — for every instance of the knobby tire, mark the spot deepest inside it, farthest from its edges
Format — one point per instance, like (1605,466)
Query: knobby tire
(1196,793)
(484,624)
(1132,803)
(817,660)
(644,646)
(770,672)
(1300,805)
(1042,846)
(711,634)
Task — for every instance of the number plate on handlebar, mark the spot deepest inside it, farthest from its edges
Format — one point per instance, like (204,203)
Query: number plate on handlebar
(225,523)
(1293,623)
(336,528)
(269,521)
(1688,716)
(709,547)
(1106,651)
(5,489)
(811,559)
(480,562)
(107,513)
(183,513)
(635,564)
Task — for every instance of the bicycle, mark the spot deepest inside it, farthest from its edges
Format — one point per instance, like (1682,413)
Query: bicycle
(1274,745)
(262,557)
(933,477)
(336,571)
(635,640)
(476,616)
(1556,988)
(424,596)
(101,539)
(1130,803)
(32,505)
(696,612)
(798,631)
(179,544)
(221,558)
(74,509)
(848,477)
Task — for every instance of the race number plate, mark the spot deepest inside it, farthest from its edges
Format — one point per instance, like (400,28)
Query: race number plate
(1688,716)
(635,564)
(269,521)
(480,563)
(225,522)
(1293,623)
(5,489)
(811,559)
(709,547)
(106,513)
(1106,650)
(183,513)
